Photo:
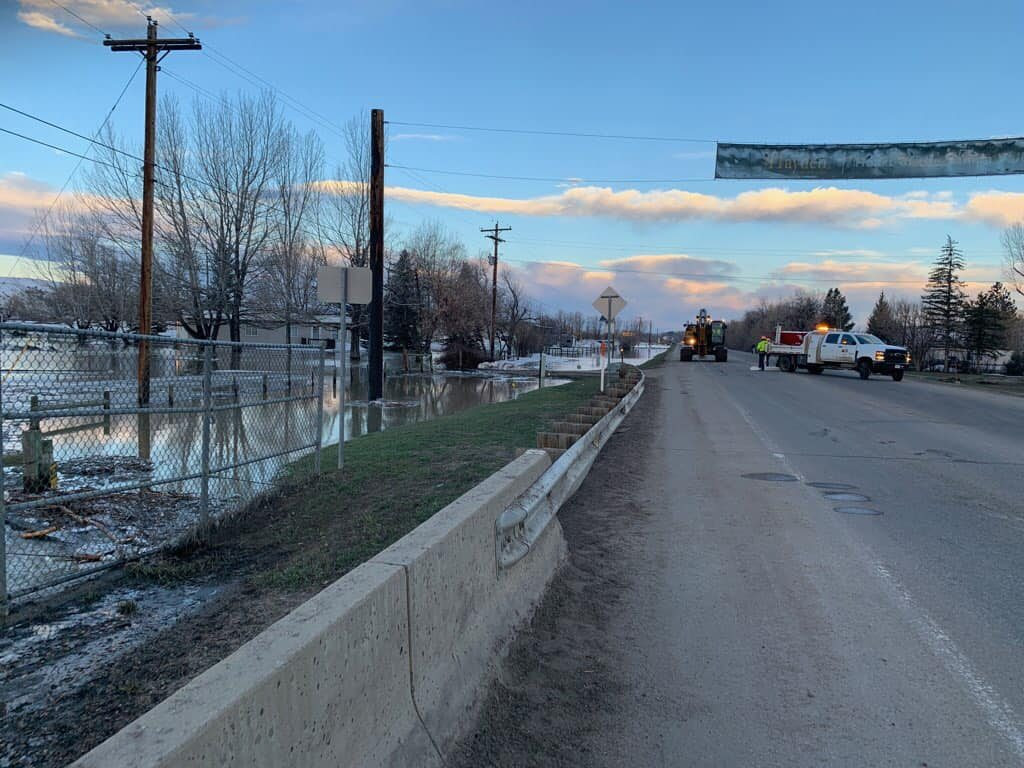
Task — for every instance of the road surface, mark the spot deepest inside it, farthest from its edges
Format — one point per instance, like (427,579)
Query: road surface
(713,614)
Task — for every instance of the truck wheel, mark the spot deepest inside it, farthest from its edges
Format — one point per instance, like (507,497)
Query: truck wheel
(721,356)
(787,363)
(863,368)
(897,375)
(812,368)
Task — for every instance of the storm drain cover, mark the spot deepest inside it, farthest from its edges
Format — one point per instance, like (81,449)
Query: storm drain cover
(772,477)
(858,511)
(832,486)
(846,497)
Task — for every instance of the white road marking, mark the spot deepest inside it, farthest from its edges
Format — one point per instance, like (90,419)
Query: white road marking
(997,711)
(1000,715)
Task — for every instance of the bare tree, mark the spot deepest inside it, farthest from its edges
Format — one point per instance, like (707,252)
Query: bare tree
(344,220)
(437,256)
(290,274)
(515,309)
(1013,248)
(194,265)
(237,147)
(90,281)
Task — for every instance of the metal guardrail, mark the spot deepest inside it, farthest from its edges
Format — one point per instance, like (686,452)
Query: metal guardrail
(78,494)
(523,522)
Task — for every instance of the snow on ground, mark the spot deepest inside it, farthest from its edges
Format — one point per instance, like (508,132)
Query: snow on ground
(587,362)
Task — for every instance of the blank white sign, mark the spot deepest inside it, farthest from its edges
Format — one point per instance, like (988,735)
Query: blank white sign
(328,285)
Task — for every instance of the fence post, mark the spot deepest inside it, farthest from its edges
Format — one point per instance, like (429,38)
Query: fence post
(204,494)
(320,408)
(3,527)
(106,414)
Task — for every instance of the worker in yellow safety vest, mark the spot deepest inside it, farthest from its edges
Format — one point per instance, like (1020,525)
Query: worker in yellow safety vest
(762,352)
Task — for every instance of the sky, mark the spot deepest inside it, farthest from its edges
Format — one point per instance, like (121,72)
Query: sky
(641,214)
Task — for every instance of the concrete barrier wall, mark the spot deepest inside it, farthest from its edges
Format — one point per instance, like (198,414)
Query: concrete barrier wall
(379,669)
(463,606)
(327,685)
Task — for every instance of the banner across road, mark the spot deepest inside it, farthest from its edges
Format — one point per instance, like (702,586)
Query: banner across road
(988,157)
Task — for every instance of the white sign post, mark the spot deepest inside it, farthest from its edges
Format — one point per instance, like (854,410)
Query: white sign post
(609,304)
(343,285)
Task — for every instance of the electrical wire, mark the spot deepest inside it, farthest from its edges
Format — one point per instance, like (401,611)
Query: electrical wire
(535,132)
(84,21)
(67,181)
(561,179)
(700,277)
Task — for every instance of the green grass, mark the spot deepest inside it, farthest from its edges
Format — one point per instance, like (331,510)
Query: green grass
(659,359)
(313,530)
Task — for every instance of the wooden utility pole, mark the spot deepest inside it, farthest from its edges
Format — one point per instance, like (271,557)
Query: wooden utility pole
(153,51)
(376,372)
(494,274)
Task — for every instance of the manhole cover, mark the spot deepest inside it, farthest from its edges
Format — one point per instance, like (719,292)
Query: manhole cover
(772,477)
(846,497)
(858,511)
(832,486)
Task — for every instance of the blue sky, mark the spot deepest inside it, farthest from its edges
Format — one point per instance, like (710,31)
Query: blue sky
(731,71)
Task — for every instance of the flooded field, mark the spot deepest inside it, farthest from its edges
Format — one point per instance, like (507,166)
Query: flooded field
(110,505)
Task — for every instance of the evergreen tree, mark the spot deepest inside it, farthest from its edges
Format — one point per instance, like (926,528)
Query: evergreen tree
(402,305)
(987,321)
(882,322)
(835,312)
(943,299)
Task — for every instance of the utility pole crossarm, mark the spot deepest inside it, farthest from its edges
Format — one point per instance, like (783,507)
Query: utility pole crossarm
(492,233)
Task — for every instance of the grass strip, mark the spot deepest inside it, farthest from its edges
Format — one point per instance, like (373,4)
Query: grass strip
(314,530)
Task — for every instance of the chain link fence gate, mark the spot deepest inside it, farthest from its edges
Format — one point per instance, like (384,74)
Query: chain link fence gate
(91,479)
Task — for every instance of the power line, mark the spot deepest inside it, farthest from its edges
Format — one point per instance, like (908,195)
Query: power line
(70,132)
(584,245)
(72,13)
(563,179)
(576,134)
(67,181)
(54,146)
(211,201)
(701,277)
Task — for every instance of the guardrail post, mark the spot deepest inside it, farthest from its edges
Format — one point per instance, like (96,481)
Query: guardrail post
(204,494)
(106,414)
(3,527)
(320,409)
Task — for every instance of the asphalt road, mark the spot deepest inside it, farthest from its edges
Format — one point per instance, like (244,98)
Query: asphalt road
(761,626)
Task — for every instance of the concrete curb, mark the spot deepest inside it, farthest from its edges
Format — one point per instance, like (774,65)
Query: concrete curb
(385,667)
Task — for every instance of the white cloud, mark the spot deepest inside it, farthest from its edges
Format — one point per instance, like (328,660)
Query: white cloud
(45,22)
(1000,209)
(104,14)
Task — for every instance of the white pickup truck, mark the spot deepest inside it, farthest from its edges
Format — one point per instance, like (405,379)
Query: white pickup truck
(817,350)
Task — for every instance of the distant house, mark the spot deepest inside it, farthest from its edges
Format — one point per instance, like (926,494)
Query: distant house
(323,329)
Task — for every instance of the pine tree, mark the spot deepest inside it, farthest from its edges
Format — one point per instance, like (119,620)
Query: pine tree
(402,305)
(882,322)
(944,298)
(987,321)
(835,312)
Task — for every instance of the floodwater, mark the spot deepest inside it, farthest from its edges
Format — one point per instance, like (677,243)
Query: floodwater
(249,444)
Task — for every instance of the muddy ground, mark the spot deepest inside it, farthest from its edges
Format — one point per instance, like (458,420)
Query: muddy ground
(560,684)
(75,675)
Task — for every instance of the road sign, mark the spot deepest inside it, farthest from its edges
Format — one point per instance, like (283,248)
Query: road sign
(328,285)
(609,303)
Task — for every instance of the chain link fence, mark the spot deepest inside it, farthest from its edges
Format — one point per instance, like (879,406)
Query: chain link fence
(94,476)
